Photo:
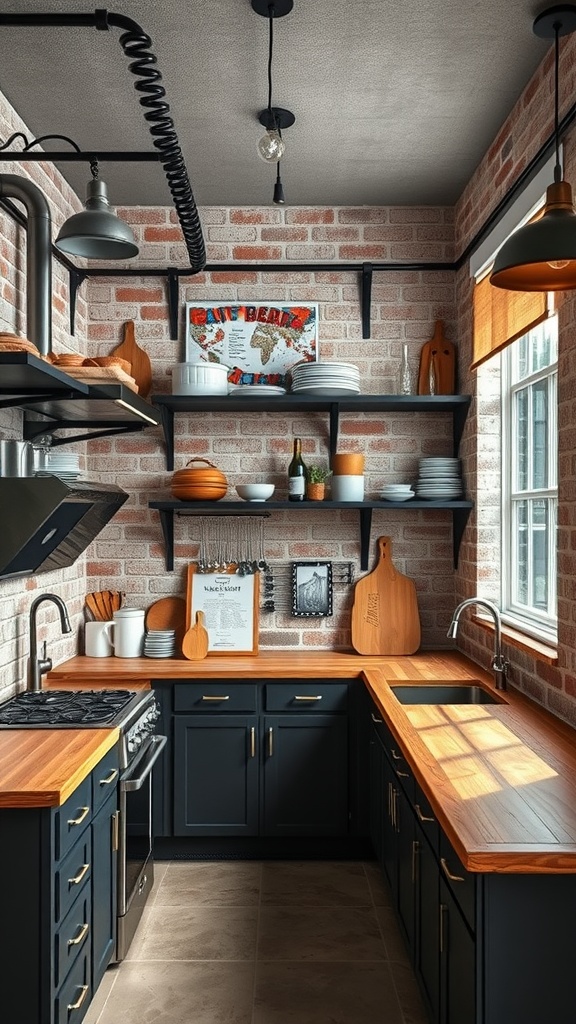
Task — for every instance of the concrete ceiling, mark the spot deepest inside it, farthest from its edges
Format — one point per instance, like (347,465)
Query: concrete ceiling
(396,101)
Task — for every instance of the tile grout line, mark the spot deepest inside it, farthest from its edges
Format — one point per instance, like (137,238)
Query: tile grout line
(257,941)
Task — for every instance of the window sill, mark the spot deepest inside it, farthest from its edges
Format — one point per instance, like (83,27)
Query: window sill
(540,651)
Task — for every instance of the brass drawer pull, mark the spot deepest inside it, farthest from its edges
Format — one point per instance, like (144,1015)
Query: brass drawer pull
(115,837)
(225,696)
(80,1000)
(403,775)
(448,873)
(78,878)
(443,909)
(80,819)
(252,741)
(270,741)
(109,778)
(415,852)
(83,931)
(319,697)
(395,755)
(422,817)
(374,719)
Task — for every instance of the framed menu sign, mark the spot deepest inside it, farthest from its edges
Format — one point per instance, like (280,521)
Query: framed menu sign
(230,606)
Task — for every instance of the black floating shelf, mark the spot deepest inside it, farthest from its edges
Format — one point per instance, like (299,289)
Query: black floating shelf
(168,509)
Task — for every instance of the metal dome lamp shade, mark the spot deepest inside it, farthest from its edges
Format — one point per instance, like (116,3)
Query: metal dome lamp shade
(96,233)
(541,255)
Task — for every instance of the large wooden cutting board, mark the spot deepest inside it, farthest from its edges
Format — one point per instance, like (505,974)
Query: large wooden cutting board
(385,617)
(442,354)
(138,359)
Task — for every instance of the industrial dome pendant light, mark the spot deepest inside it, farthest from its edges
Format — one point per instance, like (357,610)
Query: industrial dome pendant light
(541,256)
(271,146)
(96,233)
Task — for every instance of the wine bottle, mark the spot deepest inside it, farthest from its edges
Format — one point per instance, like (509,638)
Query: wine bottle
(296,474)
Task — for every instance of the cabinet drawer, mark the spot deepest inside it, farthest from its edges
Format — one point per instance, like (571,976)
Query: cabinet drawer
(226,695)
(462,883)
(73,999)
(72,874)
(71,938)
(306,696)
(104,779)
(72,818)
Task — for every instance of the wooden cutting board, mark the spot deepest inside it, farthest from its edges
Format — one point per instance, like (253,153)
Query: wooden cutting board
(442,354)
(195,642)
(385,617)
(138,359)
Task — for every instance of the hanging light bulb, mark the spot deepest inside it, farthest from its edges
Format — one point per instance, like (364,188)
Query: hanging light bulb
(271,147)
(541,255)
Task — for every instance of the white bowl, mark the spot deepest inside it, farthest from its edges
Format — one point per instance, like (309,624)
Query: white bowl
(399,496)
(255,492)
(199,379)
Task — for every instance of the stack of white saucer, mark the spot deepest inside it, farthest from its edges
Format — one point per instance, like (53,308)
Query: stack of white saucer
(160,643)
(397,492)
(439,479)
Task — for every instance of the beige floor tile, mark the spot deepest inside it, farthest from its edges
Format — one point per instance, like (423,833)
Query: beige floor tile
(210,884)
(315,883)
(196,933)
(342,993)
(320,933)
(379,887)
(104,989)
(181,993)
(409,994)
(392,936)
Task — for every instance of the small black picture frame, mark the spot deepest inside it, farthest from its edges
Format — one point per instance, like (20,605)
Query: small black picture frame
(311,589)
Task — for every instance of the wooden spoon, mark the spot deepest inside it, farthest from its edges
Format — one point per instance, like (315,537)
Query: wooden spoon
(92,606)
(195,642)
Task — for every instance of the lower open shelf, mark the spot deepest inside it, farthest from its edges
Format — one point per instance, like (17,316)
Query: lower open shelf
(168,509)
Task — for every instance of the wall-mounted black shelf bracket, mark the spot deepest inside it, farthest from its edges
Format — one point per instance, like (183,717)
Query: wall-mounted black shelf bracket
(173,302)
(366,297)
(33,428)
(75,279)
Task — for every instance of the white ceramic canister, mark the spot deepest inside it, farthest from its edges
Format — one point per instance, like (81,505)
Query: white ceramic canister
(97,642)
(127,632)
(347,488)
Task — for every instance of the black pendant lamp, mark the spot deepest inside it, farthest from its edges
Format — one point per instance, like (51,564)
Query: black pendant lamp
(96,233)
(541,256)
(271,146)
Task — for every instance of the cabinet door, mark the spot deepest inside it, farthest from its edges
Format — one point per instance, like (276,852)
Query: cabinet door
(389,859)
(215,775)
(427,944)
(457,960)
(105,858)
(305,775)
(407,853)
(377,796)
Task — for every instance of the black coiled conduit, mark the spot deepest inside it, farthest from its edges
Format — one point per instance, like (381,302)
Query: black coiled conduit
(136,44)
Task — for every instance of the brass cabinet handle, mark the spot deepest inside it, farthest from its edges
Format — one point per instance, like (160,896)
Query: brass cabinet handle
(270,741)
(319,697)
(447,872)
(252,741)
(80,819)
(83,931)
(395,809)
(78,878)
(225,696)
(443,909)
(115,831)
(395,755)
(109,778)
(390,800)
(374,719)
(80,1000)
(422,817)
(403,775)
(415,851)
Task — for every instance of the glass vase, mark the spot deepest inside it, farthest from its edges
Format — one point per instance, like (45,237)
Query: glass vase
(405,376)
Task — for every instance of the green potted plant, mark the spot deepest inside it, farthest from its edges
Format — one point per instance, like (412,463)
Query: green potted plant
(316,477)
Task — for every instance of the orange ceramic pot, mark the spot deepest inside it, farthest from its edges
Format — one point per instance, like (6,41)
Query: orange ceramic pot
(201,483)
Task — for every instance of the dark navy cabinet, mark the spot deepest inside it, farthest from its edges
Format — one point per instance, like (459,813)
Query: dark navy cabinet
(260,759)
(57,901)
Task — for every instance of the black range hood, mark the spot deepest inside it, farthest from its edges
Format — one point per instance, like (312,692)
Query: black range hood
(46,522)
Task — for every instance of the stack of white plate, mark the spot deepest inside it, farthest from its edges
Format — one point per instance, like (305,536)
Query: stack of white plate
(63,464)
(159,643)
(439,479)
(331,379)
(397,492)
(254,390)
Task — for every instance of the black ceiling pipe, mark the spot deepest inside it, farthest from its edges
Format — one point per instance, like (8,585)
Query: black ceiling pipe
(38,258)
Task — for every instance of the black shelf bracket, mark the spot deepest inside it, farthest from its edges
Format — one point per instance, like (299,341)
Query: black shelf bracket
(173,300)
(167,524)
(17,400)
(365,529)
(334,427)
(366,297)
(458,420)
(459,519)
(36,428)
(167,421)
(76,278)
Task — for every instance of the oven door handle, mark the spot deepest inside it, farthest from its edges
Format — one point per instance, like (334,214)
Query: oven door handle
(157,744)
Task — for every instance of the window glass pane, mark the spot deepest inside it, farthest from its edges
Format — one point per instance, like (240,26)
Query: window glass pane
(539,535)
(520,541)
(521,416)
(540,434)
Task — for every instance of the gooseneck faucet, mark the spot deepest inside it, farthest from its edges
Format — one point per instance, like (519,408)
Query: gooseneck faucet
(499,664)
(38,666)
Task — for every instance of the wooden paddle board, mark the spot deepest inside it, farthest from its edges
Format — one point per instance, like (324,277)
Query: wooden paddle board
(139,360)
(195,642)
(441,353)
(385,617)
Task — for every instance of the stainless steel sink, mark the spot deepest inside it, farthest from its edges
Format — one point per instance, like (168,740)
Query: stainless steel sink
(445,693)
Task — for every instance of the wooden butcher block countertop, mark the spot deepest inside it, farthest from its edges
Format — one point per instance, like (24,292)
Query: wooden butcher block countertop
(501,778)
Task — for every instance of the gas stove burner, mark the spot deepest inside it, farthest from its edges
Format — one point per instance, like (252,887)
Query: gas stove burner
(64,707)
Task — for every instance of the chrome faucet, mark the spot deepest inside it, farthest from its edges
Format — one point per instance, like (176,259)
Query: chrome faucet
(38,666)
(499,664)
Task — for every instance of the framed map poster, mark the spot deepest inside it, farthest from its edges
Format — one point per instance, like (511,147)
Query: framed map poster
(259,342)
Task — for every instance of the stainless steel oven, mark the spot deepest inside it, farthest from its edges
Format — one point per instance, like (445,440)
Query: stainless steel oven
(135,863)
